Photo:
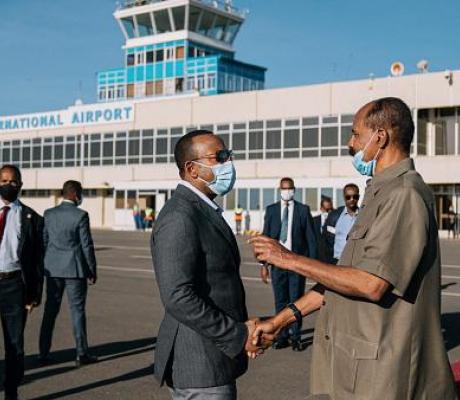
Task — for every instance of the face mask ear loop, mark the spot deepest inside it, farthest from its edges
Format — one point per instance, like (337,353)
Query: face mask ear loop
(205,166)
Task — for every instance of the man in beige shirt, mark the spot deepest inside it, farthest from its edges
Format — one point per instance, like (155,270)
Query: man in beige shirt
(378,333)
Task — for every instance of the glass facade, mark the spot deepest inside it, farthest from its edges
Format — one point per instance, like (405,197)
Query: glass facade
(438,131)
(270,139)
(292,138)
(177,67)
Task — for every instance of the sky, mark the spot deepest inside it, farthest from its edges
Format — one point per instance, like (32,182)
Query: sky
(51,50)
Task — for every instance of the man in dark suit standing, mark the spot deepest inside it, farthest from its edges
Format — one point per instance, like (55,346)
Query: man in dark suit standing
(70,264)
(291,223)
(204,336)
(21,273)
(326,207)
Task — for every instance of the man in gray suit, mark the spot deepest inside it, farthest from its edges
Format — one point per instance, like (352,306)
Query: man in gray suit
(70,264)
(204,336)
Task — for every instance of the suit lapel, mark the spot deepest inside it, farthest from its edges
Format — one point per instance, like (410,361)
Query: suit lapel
(212,216)
(277,219)
(26,219)
(218,221)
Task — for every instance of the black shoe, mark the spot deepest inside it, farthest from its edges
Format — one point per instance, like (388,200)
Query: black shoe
(85,360)
(297,345)
(45,360)
(280,344)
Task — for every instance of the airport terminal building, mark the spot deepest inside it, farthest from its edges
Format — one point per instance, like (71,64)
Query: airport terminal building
(180,74)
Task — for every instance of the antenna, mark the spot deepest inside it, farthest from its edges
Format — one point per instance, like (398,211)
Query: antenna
(79,101)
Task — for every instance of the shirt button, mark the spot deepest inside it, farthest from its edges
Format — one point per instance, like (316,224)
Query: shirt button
(326,337)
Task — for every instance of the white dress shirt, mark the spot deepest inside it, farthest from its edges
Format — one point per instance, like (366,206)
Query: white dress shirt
(9,259)
(290,204)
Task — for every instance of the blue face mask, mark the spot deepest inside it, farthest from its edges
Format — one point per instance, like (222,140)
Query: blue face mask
(366,168)
(224,177)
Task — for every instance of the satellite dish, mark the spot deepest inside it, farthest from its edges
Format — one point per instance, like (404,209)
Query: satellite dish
(397,68)
(422,66)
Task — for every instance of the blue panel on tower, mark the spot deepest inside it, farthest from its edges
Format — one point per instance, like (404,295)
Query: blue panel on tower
(140,74)
(149,73)
(169,69)
(179,68)
(159,70)
(131,75)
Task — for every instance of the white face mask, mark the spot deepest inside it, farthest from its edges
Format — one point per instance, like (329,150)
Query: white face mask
(287,194)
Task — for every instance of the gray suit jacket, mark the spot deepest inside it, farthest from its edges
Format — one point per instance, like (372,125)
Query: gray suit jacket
(196,260)
(69,249)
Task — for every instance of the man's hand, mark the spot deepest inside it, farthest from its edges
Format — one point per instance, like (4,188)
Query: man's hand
(31,306)
(264,273)
(92,280)
(270,251)
(266,331)
(255,346)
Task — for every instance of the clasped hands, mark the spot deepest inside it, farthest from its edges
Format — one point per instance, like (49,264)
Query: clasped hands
(261,335)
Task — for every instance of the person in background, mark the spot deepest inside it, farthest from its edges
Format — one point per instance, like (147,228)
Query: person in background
(21,273)
(70,264)
(247,221)
(451,223)
(339,223)
(326,207)
(148,219)
(238,219)
(137,215)
(291,223)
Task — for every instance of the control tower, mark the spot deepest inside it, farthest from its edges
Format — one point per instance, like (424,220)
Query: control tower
(175,47)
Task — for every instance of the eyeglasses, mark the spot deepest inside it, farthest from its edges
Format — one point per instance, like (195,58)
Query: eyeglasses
(220,156)
(354,197)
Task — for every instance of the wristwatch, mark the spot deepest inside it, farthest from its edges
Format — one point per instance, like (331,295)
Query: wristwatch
(296,312)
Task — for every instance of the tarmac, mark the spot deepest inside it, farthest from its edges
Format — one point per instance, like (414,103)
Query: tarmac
(124,312)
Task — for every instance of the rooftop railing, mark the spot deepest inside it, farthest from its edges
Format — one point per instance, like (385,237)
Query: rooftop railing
(222,5)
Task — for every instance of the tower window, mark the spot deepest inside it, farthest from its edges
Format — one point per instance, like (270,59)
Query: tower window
(159,55)
(149,57)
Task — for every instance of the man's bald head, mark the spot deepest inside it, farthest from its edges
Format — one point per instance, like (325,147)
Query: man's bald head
(393,115)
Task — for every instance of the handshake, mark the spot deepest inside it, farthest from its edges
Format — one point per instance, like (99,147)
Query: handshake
(261,335)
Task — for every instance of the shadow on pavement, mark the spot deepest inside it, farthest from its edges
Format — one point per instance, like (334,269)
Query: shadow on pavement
(105,382)
(447,285)
(105,352)
(450,328)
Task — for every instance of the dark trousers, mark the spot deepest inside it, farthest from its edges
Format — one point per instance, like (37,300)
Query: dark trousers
(13,315)
(76,294)
(287,288)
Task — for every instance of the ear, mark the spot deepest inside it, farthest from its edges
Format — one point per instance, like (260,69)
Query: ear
(383,138)
(190,169)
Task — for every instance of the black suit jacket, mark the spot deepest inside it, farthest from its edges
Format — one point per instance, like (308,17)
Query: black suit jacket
(317,224)
(196,261)
(30,252)
(303,231)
